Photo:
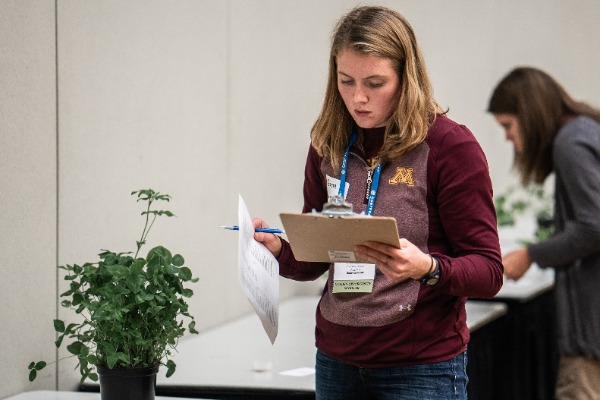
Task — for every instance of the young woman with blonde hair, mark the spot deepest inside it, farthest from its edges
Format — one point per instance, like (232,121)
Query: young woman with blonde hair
(382,142)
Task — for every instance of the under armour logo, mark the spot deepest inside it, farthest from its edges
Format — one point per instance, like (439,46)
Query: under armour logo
(403,175)
(405,307)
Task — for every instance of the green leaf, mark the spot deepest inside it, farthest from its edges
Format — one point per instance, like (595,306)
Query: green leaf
(110,259)
(59,326)
(111,360)
(77,299)
(164,197)
(83,353)
(185,273)
(192,327)
(75,348)
(40,365)
(178,260)
(148,297)
(107,347)
(123,357)
(32,375)
(134,284)
(70,328)
(118,271)
(153,262)
(164,212)
(161,251)
(170,368)
(92,359)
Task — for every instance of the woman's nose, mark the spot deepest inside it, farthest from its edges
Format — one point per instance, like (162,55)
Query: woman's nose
(360,95)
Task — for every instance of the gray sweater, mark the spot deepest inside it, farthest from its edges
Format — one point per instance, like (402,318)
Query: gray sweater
(574,250)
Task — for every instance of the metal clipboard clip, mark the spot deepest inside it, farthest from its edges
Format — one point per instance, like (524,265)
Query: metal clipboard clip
(336,207)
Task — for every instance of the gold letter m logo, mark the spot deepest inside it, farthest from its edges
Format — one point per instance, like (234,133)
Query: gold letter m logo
(403,175)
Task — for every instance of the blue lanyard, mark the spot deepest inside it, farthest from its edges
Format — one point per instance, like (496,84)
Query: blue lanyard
(374,185)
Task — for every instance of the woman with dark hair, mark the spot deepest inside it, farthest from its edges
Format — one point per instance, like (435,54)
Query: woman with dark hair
(383,143)
(551,132)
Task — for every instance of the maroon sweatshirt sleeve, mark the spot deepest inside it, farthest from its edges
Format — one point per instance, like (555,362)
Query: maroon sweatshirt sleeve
(289,267)
(463,227)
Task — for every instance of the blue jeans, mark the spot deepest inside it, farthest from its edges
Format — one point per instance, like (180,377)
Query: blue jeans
(446,380)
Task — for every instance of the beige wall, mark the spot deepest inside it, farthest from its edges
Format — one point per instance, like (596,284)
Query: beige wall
(27,191)
(204,100)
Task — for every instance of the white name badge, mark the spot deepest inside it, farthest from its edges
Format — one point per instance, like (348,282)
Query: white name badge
(333,187)
(353,277)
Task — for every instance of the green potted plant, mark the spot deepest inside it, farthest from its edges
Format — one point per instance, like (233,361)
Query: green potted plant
(514,203)
(131,313)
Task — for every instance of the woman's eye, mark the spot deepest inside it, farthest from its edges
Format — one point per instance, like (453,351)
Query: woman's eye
(375,85)
(346,82)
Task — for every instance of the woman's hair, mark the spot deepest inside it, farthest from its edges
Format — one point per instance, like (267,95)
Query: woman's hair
(540,104)
(385,33)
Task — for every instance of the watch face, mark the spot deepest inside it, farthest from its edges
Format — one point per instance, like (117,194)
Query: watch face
(433,280)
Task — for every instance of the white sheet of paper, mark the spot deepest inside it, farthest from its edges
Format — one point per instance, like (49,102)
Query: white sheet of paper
(259,274)
(303,371)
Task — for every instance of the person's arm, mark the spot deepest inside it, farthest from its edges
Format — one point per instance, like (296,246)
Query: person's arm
(466,244)
(578,169)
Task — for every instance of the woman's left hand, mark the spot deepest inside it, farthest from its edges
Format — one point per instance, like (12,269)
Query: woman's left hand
(407,262)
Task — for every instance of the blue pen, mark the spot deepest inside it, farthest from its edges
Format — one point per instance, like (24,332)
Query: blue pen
(263,230)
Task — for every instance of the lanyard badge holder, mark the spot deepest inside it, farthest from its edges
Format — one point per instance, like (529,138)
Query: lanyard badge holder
(351,277)
(337,207)
(332,234)
(348,277)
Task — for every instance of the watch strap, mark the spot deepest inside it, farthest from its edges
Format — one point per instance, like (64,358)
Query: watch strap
(433,276)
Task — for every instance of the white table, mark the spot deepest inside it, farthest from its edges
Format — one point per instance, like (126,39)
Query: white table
(481,313)
(239,353)
(52,395)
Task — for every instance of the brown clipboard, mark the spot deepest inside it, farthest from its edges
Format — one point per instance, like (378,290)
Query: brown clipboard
(317,237)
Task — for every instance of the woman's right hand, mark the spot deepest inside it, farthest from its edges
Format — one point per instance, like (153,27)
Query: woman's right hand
(271,241)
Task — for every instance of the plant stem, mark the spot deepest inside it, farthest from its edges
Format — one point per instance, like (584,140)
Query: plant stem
(144,231)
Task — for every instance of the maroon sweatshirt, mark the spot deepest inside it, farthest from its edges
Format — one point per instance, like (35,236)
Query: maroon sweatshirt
(440,193)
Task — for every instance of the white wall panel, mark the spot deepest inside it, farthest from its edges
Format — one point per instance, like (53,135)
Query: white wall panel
(27,192)
(278,67)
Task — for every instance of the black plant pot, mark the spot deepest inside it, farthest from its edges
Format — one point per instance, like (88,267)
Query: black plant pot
(127,383)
